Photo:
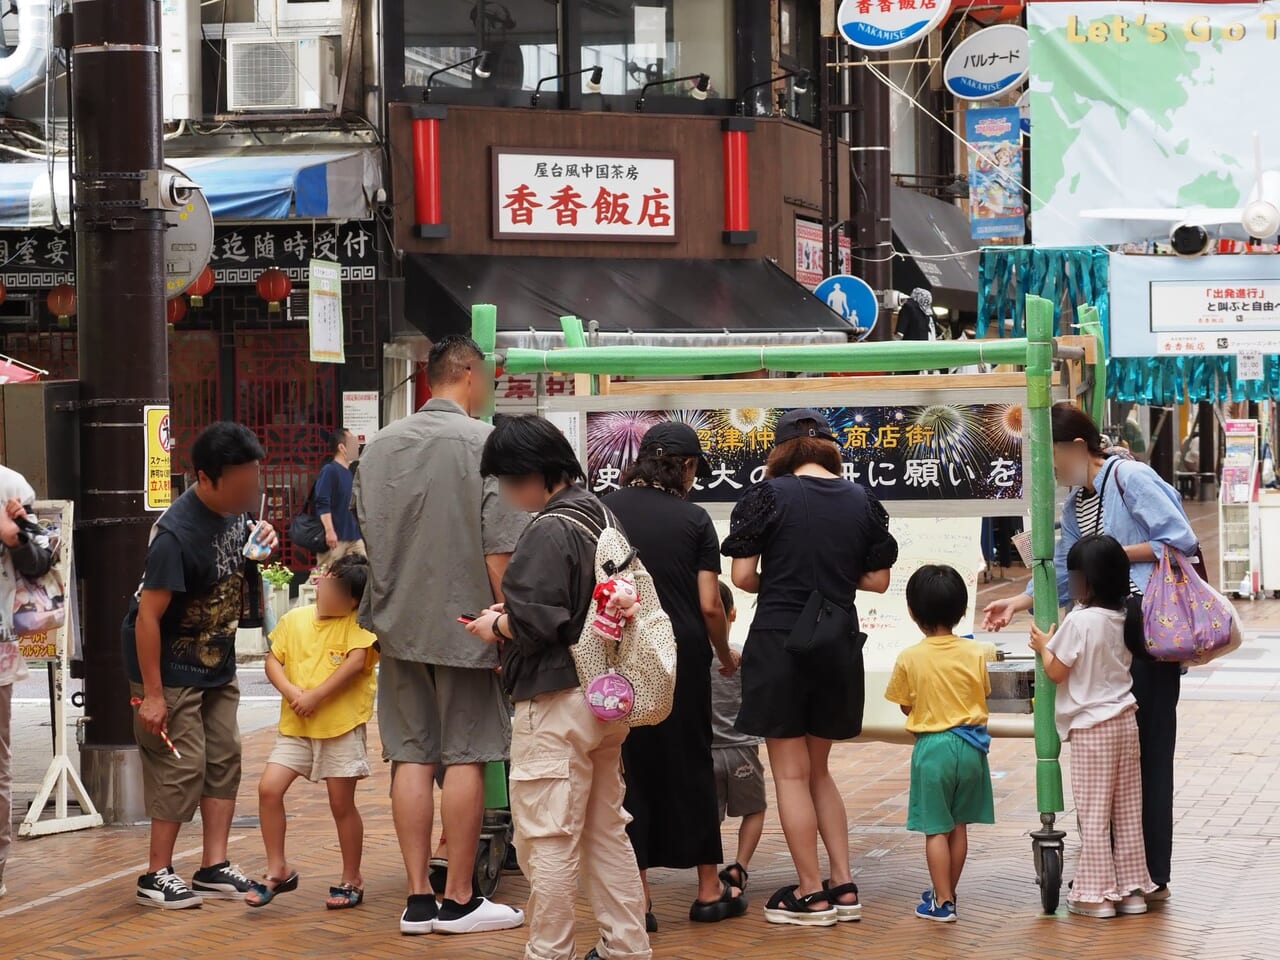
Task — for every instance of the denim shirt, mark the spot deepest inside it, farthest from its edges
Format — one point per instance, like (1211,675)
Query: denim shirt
(1147,511)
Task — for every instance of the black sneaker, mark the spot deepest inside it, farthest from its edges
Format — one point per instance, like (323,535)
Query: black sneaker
(166,890)
(419,915)
(221,881)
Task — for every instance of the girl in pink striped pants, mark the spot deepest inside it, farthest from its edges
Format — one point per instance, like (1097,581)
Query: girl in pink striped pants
(1089,660)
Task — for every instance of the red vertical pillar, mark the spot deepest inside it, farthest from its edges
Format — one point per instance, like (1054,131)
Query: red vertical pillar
(426,172)
(737,181)
(421,386)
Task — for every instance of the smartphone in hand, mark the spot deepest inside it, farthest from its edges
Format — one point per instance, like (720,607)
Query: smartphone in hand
(468,618)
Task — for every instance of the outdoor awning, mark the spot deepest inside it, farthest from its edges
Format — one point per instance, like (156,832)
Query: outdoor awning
(931,232)
(655,302)
(256,185)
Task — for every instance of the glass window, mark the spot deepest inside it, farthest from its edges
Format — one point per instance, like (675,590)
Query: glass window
(655,39)
(520,36)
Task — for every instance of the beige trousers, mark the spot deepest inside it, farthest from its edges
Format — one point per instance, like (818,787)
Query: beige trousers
(566,800)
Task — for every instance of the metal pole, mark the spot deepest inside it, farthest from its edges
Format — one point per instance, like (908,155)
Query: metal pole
(869,191)
(123,358)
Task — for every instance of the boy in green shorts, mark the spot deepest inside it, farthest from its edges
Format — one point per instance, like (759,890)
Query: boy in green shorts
(941,684)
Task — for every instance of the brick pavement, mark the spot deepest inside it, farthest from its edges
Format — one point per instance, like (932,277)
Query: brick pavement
(70,896)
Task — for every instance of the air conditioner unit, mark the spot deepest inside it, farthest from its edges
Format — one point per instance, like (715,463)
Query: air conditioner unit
(298,13)
(285,74)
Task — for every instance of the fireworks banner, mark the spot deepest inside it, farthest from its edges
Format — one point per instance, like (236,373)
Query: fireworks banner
(936,452)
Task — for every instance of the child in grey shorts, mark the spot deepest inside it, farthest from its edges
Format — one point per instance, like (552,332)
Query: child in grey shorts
(739,772)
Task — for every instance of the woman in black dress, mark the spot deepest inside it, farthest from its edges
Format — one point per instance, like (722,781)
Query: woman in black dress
(804,531)
(669,770)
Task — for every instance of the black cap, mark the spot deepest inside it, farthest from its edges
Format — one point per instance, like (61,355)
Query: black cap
(671,438)
(789,426)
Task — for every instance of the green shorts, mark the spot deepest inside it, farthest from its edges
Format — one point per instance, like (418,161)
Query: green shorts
(950,784)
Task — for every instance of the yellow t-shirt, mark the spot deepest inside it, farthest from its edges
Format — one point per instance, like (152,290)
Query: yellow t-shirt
(944,681)
(312,648)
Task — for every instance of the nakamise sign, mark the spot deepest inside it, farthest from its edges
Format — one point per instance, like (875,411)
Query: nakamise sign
(930,452)
(584,196)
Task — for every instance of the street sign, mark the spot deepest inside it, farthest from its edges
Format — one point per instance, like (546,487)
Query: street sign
(888,24)
(157,445)
(188,242)
(851,298)
(988,64)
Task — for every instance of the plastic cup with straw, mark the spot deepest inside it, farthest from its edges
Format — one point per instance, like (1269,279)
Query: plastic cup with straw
(254,549)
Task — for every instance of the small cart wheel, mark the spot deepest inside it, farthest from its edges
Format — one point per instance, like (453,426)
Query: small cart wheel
(1050,878)
(490,854)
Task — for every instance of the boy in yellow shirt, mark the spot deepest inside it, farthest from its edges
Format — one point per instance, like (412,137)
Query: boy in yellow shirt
(941,684)
(322,663)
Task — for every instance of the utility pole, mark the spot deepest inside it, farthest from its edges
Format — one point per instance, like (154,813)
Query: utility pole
(120,229)
(869,189)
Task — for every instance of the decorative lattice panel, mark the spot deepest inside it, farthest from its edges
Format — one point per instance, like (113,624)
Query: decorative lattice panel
(52,350)
(194,400)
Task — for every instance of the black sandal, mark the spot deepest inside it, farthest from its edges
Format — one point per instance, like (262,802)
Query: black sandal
(845,912)
(740,881)
(278,886)
(725,908)
(785,907)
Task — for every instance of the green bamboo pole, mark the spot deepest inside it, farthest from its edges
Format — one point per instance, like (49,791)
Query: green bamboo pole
(1044,579)
(574,335)
(484,331)
(815,358)
(1091,326)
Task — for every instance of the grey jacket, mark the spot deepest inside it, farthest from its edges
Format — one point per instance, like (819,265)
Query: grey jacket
(27,557)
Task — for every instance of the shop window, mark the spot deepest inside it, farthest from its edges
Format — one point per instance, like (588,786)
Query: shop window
(520,35)
(798,48)
(656,39)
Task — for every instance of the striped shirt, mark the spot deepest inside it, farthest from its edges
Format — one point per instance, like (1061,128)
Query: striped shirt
(1089,519)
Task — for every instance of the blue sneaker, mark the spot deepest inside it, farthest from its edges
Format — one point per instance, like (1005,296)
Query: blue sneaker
(927,897)
(937,912)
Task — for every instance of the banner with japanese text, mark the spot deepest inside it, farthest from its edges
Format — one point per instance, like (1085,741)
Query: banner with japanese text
(995,172)
(583,196)
(930,452)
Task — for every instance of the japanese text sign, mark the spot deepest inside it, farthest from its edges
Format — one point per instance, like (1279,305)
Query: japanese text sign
(583,196)
(888,24)
(934,453)
(988,63)
(156,448)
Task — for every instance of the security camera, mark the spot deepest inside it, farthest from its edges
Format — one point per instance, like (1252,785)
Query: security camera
(167,190)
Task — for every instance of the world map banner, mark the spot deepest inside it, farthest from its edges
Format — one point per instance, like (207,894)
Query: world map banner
(938,452)
(1146,105)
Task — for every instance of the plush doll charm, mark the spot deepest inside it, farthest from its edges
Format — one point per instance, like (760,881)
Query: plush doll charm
(617,601)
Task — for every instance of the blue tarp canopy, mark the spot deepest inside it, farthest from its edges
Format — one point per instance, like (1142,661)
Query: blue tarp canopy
(261,185)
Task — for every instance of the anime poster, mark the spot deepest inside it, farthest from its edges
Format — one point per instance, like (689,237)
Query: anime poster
(996,208)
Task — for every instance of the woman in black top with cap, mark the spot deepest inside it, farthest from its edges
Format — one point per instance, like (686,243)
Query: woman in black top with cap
(670,774)
(802,538)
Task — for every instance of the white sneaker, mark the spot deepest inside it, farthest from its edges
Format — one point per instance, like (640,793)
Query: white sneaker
(1101,911)
(1132,905)
(485,917)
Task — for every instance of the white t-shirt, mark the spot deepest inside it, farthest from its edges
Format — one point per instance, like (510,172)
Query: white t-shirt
(1099,687)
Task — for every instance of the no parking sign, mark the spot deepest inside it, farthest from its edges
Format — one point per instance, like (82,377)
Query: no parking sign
(157,444)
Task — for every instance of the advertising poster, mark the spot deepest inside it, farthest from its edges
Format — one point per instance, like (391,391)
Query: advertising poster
(325,313)
(996,208)
(809,253)
(919,453)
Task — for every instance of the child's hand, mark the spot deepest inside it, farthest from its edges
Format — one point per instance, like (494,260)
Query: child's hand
(306,703)
(1040,638)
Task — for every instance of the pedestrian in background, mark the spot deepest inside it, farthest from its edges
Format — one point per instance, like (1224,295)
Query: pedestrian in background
(566,776)
(180,654)
(333,499)
(438,538)
(669,771)
(19,553)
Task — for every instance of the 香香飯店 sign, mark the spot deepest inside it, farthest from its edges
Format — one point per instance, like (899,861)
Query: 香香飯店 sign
(586,196)
(935,452)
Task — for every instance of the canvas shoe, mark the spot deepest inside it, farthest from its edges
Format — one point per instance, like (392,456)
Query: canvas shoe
(1132,905)
(419,915)
(1160,894)
(937,912)
(221,881)
(166,890)
(479,916)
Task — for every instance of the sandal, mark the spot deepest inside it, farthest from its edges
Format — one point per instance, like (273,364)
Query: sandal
(266,893)
(438,875)
(348,893)
(725,908)
(845,912)
(785,907)
(740,881)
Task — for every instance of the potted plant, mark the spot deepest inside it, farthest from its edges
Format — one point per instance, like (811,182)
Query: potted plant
(276,579)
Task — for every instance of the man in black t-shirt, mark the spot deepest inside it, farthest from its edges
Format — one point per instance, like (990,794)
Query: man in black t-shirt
(179,650)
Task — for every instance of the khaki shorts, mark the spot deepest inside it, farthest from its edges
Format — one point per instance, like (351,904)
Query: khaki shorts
(344,757)
(434,714)
(202,725)
(739,780)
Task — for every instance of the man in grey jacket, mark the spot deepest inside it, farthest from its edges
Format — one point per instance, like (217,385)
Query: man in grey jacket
(438,538)
(19,553)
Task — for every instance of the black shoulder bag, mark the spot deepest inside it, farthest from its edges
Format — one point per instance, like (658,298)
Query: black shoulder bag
(822,623)
(306,530)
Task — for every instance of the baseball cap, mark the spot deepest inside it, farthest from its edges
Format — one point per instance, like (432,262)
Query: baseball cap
(789,426)
(672,438)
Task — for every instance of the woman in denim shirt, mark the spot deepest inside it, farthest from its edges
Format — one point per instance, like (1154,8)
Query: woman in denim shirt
(1129,501)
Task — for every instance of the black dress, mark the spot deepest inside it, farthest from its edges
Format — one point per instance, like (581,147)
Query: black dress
(670,777)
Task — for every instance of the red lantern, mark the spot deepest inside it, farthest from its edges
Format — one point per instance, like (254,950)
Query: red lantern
(62,302)
(201,288)
(175,310)
(273,286)
(4,291)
